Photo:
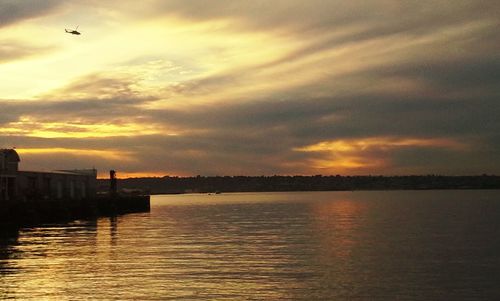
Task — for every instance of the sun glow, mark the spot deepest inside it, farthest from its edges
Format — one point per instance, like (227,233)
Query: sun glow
(131,174)
(346,155)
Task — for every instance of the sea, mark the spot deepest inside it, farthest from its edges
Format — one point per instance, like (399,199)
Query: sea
(362,245)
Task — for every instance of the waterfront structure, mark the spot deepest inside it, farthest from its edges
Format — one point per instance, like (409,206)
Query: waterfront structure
(35,197)
(16,185)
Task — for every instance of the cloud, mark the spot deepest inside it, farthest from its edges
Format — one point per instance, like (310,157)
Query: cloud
(91,107)
(401,87)
(375,17)
(262,137)
(12,50)
(12,11)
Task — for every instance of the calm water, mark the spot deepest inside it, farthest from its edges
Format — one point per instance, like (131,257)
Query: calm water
(425,245)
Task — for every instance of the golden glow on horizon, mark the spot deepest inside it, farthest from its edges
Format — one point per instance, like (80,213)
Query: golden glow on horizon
(345,163)
(124,174)
(347,155)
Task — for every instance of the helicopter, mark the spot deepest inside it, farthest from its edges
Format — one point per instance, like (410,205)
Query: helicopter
(73,31)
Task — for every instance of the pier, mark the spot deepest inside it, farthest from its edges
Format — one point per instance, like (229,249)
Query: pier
(32,197)
(47,211)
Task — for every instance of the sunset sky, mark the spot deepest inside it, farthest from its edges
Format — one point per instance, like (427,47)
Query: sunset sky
(188,87)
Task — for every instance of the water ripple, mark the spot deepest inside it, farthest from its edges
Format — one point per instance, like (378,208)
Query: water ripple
(276,246)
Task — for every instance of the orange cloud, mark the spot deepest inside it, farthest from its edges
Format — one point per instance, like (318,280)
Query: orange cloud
(31,127)
(356,145)
(108,154)
(346,155)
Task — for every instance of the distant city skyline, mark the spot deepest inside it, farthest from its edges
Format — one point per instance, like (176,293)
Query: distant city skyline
(177,87)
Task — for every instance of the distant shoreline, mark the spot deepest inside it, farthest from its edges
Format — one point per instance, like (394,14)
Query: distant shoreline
(200,184)
(359,190)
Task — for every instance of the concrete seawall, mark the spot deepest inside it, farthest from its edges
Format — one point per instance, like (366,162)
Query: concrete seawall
(47,211)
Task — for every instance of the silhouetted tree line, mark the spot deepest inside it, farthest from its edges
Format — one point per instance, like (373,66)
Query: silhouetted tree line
(202,184)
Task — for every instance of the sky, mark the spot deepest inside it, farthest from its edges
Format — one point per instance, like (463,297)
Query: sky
(283,87)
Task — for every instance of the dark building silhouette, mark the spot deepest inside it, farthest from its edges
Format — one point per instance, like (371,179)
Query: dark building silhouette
(37,185)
